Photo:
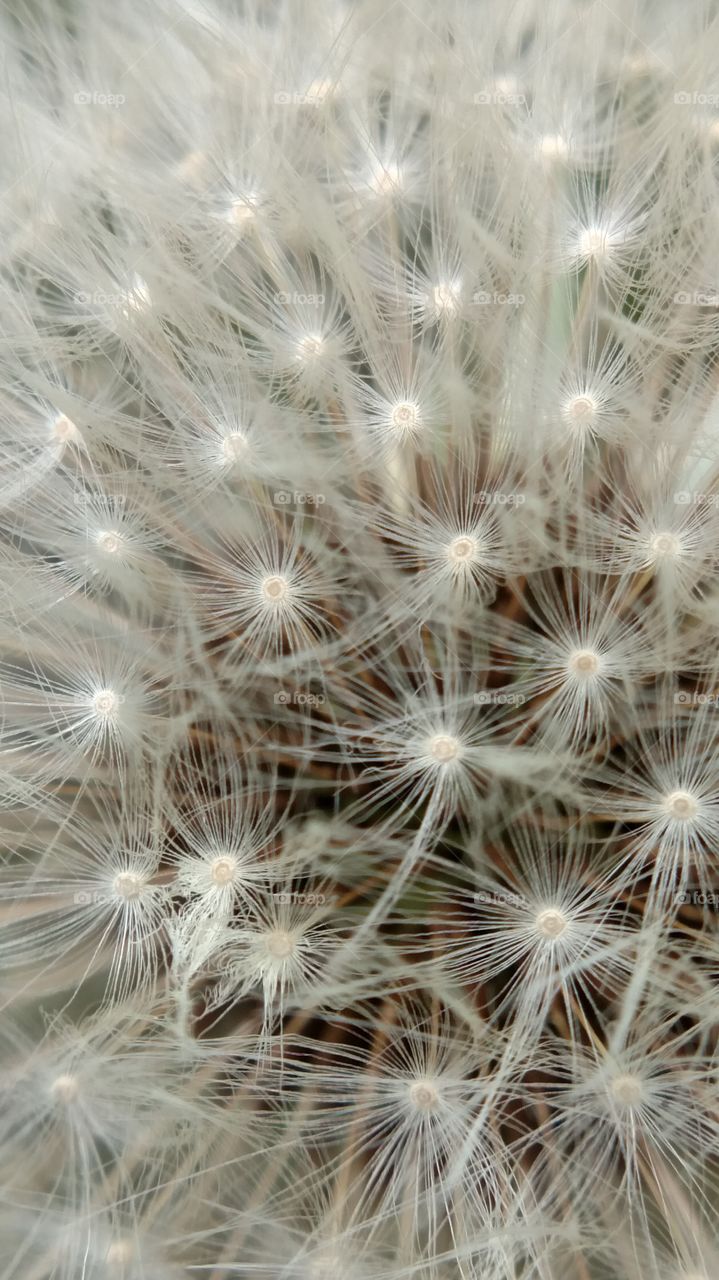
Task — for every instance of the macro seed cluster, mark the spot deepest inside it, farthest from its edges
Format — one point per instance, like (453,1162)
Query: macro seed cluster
(359,537)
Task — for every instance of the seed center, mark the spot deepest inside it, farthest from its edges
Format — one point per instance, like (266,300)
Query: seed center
(551,922)
(593,243)
(404,416)
(311,347)
(64,429)
(110,541)
(681,805)
(665,545)
(280,944)
(274,588)
(444,748)
(129,885)
(627,1089)
(234,446)
(65,1088)
(581,410)
(445,298)
(424,1095)
(462,549)
(222,870)
(585,662)
(105,702)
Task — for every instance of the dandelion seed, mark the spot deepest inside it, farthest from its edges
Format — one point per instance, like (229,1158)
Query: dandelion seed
(581,412)
(551,923)
(275,588)
(552,146)
(65,1088)
(135,298)
(280,944)
(64,430)
(405,418)
(627,1090)
(585,663)
(359,603)
(128,885)
(665,546)
(242,210)
(462,549)
(109,541)
(234,448)
(681,806)
(444,748)
(424,1095)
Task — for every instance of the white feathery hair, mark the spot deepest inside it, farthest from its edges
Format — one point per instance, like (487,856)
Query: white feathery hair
(359,534)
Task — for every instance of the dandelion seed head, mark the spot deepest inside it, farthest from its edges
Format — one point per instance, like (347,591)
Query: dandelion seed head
(445,299)
(385,180)
(665,546)
(551,923)
(64,431)
(223,870)
(234,447)
(593,242)
(424,1095)
(106,703)
(681,805)
(405,417)
(110,541)
(580,412)
(129,885)
(242,210)
(444,748)
(585,663)
(552,146)
(137,297)
(311,347)
(627,1089)
(280,944)
(65,1088)
(356,978)
(462,550)
(275,589)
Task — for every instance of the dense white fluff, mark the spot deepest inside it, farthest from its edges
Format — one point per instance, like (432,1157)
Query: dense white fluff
(359,696)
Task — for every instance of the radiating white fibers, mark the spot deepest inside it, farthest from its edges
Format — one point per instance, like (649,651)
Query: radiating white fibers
(359,731)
